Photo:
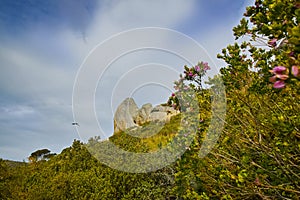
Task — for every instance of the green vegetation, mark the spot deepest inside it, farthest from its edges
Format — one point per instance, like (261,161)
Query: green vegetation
(162,134)
(257,155)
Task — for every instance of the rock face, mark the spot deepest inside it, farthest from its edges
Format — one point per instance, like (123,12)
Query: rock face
(125,114)
(128,115)
(162,113)
(143,114)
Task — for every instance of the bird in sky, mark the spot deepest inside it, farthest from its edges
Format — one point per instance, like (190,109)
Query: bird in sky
(75,124)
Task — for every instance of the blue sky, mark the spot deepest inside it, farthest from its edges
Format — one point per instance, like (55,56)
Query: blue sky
(43,44)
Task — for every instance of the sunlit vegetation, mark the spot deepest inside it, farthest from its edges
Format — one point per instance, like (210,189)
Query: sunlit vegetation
(256,157)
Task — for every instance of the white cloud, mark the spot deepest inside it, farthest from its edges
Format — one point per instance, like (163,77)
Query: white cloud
(147,13)
(114,17)
(28,75)
(17,111)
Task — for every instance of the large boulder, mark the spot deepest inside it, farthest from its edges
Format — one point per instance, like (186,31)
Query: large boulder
(143,114)
(128,115)
(125,114)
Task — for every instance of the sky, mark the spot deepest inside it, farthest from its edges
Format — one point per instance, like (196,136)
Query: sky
(44,46)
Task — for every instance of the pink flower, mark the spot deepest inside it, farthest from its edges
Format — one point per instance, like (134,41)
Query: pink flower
(272,42)
(291,54)
(279,84)
(278,70)
(282,76)
(206,67)
(191,74)
(197,68)
(295,71)
(173,94)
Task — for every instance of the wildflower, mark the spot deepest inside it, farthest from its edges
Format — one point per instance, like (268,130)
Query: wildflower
(206,67)
(291,54)
(173,94)
(278,70)
(272,42)
(282,76)
(191,74)
(279,84)
(197,68)
(295,71)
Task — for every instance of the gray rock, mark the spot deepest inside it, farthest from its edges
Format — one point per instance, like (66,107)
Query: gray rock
(162,113)
(129,116)
(143,114)
(158,116)
(125,114)
(160,108)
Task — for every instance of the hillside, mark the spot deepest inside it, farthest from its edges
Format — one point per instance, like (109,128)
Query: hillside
(256,156)
(246,163)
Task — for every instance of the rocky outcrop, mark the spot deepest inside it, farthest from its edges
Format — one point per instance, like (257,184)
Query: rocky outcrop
(162,113)
(128,115)
(125,114)
(143,114)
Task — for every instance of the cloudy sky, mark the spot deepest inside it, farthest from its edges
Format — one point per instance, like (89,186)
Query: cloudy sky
(45,44)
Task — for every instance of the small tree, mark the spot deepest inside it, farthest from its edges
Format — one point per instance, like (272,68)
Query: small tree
(42,154)
(273,48)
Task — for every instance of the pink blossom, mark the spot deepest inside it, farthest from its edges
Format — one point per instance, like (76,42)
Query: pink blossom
(279,84)
(291,54)
(295,71)
(278,69)
(282,76)
(272,42)
(197,68)
(191,74)
(280,72)
(206,67)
